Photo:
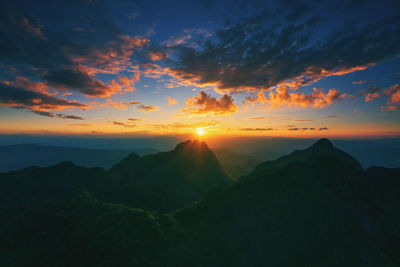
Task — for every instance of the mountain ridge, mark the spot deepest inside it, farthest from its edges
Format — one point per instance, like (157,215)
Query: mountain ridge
(187,172)
(323,147)
(313,207)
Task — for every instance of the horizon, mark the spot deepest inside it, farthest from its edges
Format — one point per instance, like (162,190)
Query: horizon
(244,68)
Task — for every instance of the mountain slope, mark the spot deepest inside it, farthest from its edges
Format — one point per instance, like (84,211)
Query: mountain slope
(235,164)
(321,209)
(297,210)
(322,147)
(65,215)
(185,173)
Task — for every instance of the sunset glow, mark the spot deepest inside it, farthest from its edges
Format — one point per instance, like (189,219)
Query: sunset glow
(200,131)
(172,69)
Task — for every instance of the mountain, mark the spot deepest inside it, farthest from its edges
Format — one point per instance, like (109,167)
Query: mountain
(15,157)
(66,215)
(313,207)
(184,173)
(235,164)
(322,147)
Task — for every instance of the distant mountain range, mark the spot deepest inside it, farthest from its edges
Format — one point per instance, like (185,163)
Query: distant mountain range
(15,157)
(313,207)
(235,161)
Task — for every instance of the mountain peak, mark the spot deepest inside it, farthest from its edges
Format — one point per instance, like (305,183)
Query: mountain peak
(322,143)
(194,145)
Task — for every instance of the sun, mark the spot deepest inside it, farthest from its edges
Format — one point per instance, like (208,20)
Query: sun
(200,131)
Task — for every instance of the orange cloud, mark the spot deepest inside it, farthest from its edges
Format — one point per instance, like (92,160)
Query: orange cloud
(111,104)
(185,126)
(148,108)
(34,96)
(111,58)
(359,82)
(120,123)
(371,96)
(127,83)
(394,100)
(134,119)
(282,97)
(39,87)
(206,104)
(171,101)
(263,118)
(156,55)
(257,129)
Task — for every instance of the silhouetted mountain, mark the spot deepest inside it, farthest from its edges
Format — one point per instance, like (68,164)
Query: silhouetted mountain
(15,157)
(235,164)
(322,147)
(299,210)
(314,207)
(185,173)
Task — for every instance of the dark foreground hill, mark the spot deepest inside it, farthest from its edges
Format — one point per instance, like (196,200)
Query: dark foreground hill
(315,207)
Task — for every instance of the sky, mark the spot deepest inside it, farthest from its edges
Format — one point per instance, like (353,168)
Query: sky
(248,68)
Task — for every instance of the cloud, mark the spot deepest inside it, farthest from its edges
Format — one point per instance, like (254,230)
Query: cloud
(80,124)
(33,97)
(393,94)
(69,59)
(371,93)
(120,123)
(206,104)
(58,115)
(263,118)
(128,82)
(122,105)
(33,29)
(332,116)
(306,128)
(111,56)
(171,101)
(156,55)
(283,97)
(394,98)
(76,78)
(134,119)
(257,53)
(257,129)
(178,40)
(359,82)
(148,108)
(186,126)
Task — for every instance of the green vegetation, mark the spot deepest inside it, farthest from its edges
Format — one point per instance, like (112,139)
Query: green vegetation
(314,207)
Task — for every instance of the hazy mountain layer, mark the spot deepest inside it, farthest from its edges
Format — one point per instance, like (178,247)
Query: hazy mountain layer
(15,157)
